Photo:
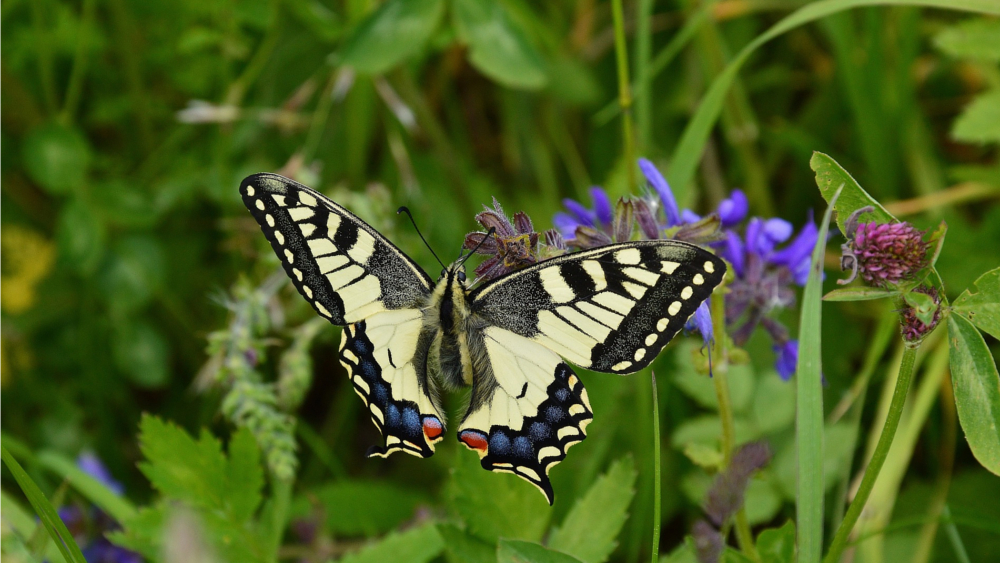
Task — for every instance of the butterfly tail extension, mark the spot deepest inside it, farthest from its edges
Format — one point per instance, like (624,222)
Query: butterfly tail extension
(528,446)
(400,405)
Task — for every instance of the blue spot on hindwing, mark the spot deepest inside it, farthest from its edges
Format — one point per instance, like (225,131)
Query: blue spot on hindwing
(392,415)
(554,414)
(562,394)
(523,447)
(499,444)
(539,431)
(411,420)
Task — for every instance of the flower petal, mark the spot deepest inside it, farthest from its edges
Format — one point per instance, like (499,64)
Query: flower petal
(688,216)
(734,251)
(522,223)
(647,221)
(602,205)
(492,220)
(565,224)
(702,322)
(472,240)
(788,357)
(583,215)
(662,188)
(734,209)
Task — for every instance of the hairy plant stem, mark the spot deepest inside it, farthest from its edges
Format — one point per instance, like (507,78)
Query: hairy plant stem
(624,92)
(720,372)
(878,457)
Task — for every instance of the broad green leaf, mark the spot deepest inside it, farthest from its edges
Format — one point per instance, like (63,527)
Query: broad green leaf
(366,507)
(143,533)
(777,545)
(699,386)
(977,38)
(859,293)
(708,430)
(589,530)
(730,555)
(703,455)
(515,551)
(830,176)
(57,157)
(81,236)
(495,505)
(96,492)
(681,554)
(460,547)
(244,475)
(773,403)
(417,545)
(394,32)
(497,47)
(981,304)
(687,155)
(979,121)
(976,384)
(45,511)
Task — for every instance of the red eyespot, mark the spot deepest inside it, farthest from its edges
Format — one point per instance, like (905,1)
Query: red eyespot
(474,440)
(432,427)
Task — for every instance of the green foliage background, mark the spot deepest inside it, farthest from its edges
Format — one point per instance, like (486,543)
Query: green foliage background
(127,126)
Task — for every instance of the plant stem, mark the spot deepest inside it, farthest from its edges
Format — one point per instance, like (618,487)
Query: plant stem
(878,457)
(656,473)
(720,372)
(79,64)
(643,94)
(624,91)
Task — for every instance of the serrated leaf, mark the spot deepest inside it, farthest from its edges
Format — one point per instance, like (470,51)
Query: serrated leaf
(366,507)
(859,293)
(980,304)
(977,38)
(777,545)
(830,176)
(515,551)
(460,547)
(395,31)
(245,475)
(589,530)
(976,384)
(417,545)
(979,121)
(497,47)
(495,505)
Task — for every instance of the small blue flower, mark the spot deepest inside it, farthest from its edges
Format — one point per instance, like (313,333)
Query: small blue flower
(733,210)
(702,322)
(600,217)
(92,465)
(662,188)
(788,357)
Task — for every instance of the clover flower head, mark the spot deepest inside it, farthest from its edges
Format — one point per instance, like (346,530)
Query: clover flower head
(883,254)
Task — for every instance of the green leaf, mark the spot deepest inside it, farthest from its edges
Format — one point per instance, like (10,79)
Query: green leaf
(514,551)
(460,547)
(777,545)
(417,545)
(809,386)
(702,455)
(979,121)
(394,32)
(977,38)
(976,384)
(830,176)
(708,430)
(761,499)
(836,463)
(366,507)
(46,513)
(495,505)
(81,237)
(589,530)
(116,506)
(773,403)
(244,475)
(497,47)
(699,386)
(981,304)
(859,293)
(56,157)
(24,525)
(687,155)
(923,305)
(141,351)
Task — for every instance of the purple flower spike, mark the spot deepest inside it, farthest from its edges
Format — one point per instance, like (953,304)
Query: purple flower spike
(798,254)
(734,209)
(602,205)
(702,322)
(734,252)
(662,188)
(92,465)
(582,215)
(788,357)
(565,224)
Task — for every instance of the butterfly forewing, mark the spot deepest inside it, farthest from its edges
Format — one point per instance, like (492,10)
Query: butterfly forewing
(340,264)
(609,309)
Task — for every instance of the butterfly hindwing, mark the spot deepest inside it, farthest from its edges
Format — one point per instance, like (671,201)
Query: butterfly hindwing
(340,264)
(385,356)
(609,309)
(527,408)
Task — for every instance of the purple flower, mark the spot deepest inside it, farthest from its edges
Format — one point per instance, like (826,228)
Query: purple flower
(734,209)
(788,358)
(512,246)
(659,183)
(579,216)
(702,322)
(92,465)
(882,254)
(708,542)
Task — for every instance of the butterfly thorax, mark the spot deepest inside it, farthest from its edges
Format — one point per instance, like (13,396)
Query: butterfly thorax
(448,310)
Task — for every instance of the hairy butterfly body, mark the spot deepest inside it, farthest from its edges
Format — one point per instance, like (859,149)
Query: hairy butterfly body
(608,309)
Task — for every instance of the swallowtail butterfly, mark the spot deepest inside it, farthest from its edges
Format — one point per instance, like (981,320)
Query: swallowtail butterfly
(608,309)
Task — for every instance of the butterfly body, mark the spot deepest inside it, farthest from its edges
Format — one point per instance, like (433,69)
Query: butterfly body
(406,337)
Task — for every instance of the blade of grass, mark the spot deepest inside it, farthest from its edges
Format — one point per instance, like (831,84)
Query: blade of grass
(624,92)
(46,512)
(961,555)
(809,405)
(687,155)
(643,95)
(115,506)
(656,472)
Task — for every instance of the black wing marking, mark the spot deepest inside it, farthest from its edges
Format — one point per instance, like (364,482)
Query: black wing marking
(339,263)
(609,309)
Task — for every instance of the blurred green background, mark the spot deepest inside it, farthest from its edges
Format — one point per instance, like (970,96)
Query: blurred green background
(127,126)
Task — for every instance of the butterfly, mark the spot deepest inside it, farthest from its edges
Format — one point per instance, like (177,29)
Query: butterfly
(407,336)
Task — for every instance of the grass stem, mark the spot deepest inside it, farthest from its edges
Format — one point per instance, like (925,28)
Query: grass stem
(878,457)
(643,92)
(656,473)
(624,91)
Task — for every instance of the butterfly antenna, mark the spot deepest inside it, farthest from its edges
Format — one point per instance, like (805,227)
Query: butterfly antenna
(403,209)
(488,235)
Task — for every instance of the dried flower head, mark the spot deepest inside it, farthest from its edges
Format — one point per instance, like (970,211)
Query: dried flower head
(918,321)
(883,254)
(513,245)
